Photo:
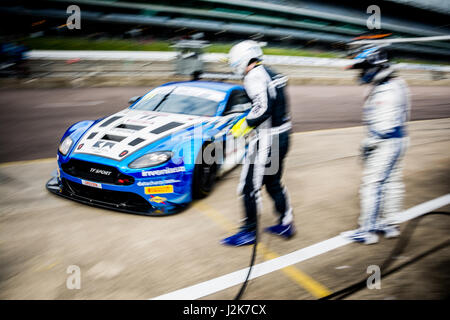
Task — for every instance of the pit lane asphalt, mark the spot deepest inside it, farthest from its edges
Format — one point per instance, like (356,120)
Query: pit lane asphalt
(124,256)
(32,121)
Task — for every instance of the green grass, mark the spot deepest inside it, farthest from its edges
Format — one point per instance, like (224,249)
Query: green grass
(55,43)
(225,48)
(300,52)
(60,43)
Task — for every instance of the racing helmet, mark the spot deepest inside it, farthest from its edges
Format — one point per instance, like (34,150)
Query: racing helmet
(242,53)
(370,60)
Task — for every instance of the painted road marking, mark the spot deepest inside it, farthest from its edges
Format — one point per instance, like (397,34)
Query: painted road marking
(423,208)
(209,287)
(72,104)
(439,120)
(342,267)
(315,288)
(25,162)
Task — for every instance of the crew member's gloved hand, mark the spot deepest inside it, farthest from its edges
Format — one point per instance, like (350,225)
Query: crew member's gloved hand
(241,128)
(367,148)
(366,151)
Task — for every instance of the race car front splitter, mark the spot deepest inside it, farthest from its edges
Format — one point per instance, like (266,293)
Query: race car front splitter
(107,199)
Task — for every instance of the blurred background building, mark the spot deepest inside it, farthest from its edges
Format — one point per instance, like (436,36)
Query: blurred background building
(317,25)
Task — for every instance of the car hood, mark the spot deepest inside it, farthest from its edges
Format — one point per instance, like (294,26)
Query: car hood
(123,133)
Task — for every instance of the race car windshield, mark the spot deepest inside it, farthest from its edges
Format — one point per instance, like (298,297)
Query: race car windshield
(178,101)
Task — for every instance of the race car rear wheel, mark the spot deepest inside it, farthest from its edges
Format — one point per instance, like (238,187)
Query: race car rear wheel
(204,175)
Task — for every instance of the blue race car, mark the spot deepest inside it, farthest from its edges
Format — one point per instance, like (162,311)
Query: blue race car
(159,154)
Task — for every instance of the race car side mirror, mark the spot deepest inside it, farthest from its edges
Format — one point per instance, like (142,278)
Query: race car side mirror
(134,99)
(238,108)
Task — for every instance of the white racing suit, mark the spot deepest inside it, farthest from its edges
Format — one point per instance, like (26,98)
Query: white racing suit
(386,112)
(263,164)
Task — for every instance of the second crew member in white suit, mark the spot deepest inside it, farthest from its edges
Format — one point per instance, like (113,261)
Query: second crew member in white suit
(386,113)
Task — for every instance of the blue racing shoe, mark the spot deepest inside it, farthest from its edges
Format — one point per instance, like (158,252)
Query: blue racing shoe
(286,231)
(361,236)
(242,238)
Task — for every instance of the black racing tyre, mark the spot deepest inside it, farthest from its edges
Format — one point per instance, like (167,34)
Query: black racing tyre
(205,174)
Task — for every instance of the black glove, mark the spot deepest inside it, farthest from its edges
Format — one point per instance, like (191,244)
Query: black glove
(366,151)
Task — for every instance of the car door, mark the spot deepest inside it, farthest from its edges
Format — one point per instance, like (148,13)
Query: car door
(233,149)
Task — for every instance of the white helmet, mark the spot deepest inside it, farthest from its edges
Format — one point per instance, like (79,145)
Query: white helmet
(241,54)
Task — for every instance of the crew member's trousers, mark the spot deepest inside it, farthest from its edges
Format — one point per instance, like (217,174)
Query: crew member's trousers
(381,191)
(263,166)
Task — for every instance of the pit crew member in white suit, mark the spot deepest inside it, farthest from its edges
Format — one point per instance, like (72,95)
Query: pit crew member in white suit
(268,146)
(385,115)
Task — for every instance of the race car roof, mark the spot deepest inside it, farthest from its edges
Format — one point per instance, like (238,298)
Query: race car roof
(212,85)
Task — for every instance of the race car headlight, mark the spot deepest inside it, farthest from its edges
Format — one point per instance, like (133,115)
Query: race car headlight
(151,159)
(64,147)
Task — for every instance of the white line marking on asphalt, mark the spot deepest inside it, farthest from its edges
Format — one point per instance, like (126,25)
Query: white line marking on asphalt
(320,131)
(229,280)
(71,104)
(423,208)
(26,162)
(342,267)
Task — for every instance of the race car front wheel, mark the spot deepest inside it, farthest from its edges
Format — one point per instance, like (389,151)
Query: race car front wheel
(204,174)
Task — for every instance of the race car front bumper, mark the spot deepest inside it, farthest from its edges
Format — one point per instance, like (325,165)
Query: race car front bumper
(127,202)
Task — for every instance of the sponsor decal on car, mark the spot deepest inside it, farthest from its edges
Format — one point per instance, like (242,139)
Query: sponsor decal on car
(103,145)
(123,130)
(100,171)
(163,171)
(200,92)
(159,189)
(92,184)
(158,199)
(157,183)
(147,117)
